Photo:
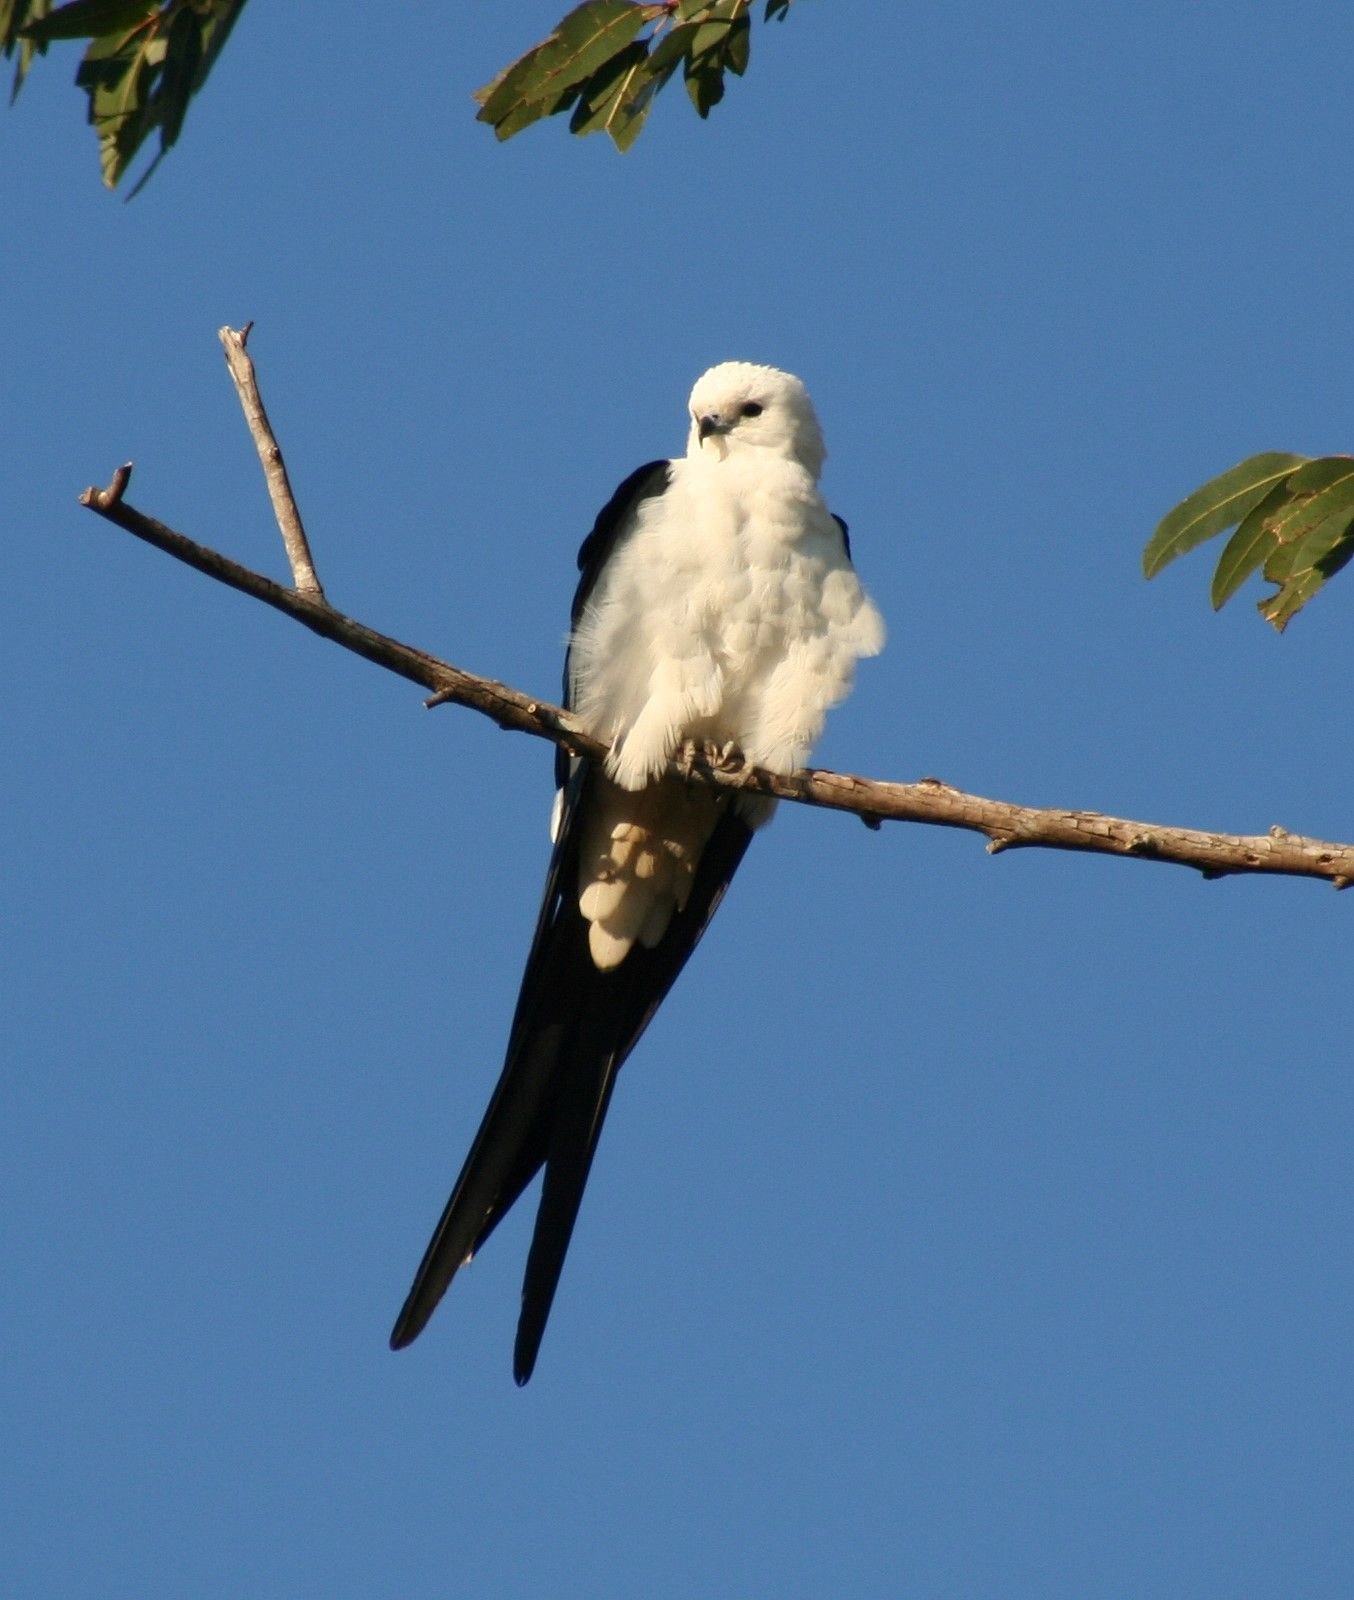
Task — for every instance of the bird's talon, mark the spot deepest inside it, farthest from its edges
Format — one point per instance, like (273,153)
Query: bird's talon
(726,757)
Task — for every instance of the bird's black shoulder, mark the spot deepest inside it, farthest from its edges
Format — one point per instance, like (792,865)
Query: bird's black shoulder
(642,484)
(846,533)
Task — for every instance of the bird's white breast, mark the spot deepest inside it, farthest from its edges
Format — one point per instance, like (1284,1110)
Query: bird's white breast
(729,613)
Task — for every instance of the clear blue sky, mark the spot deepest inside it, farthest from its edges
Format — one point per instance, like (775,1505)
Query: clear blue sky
(964,1227)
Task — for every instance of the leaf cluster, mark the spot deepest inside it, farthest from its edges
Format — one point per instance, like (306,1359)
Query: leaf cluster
(607,60)
(16,16)
(1294,520)
(145,61)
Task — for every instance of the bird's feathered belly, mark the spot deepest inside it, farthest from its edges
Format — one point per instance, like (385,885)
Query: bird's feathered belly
(730,614)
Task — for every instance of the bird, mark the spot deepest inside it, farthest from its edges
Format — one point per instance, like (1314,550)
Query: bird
(717,613)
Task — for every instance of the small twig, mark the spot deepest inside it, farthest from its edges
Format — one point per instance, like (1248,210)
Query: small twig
(104,499)
(270,454)
(1006,826)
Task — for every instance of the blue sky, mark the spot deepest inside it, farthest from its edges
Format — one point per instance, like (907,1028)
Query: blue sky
(963,1226)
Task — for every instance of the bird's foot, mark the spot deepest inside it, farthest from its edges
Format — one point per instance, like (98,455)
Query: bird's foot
(727,757)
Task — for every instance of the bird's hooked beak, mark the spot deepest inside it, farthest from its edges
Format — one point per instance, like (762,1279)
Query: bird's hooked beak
(713,426)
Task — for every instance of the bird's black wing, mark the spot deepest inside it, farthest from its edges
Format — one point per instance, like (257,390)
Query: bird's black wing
(573,1028)
(614,521)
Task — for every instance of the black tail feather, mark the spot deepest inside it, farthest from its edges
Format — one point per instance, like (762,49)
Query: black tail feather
(506,1155)
(579,1113)
(573,1029)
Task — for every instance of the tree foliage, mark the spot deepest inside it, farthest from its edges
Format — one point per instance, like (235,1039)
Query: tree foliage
(608,59)
(604,62)
(1294,521)
(145,61)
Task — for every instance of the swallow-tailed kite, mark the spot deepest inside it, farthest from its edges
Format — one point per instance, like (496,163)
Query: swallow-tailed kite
(717,609)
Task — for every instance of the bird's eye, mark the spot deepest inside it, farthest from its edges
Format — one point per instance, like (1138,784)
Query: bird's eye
(752,409)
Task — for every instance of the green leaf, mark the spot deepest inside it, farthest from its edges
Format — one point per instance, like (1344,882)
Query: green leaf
(739,48)
(1284,516)
(1320,539)
(1248,548)
(183,57)
(143,78)
(710,37)
(548,78)
(88,19)
(1216,505)
(715,19)
(716,48)
(673,47)
(636,107)
(115,73)
(602,99)
(15,15)
(705,85)
(1334,540)
(215,31)
(1317,501)
(600,63)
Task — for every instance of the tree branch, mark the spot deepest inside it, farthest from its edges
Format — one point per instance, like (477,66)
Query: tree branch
(1006,826)
(294,540)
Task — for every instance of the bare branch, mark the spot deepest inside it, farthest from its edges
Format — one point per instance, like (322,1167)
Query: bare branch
(270,454)
(1006,826)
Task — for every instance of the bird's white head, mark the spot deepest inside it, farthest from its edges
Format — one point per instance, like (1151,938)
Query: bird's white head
(738,407)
